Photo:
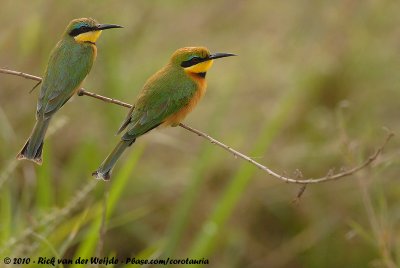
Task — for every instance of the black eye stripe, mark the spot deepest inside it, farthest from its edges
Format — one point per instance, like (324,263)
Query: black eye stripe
(192,61)
(82,29)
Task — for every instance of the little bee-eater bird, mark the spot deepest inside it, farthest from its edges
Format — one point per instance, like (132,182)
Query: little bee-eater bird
(166,98)
(68,65)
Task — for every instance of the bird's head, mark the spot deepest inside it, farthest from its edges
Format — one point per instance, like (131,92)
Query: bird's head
(87,30)
(196,60)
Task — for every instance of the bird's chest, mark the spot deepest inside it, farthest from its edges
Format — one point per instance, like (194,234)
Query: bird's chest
(94,51)
(83,54)
(197,96)
(180,115)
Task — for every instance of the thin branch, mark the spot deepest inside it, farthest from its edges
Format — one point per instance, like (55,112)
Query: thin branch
(83,92)
(300,193)
(329,177)
(35,86)
(21,74)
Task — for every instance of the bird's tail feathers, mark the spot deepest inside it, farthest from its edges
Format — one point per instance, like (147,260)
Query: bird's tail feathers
(33,147)
(104,171)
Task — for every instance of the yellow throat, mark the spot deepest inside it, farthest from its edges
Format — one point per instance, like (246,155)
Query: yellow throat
(90,37)
(201,67)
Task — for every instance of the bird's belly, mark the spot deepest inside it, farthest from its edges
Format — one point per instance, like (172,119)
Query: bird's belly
(176,118)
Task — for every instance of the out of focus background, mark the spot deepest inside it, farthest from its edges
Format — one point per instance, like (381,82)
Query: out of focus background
(315,86)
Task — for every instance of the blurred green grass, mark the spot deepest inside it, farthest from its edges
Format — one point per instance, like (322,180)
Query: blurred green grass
(312,87)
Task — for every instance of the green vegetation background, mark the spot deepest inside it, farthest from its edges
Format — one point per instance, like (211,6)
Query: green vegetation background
(312,89)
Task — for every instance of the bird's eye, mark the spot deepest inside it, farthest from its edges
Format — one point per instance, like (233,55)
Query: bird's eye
(81,29)
(195,59)
(191,61)
(84,28)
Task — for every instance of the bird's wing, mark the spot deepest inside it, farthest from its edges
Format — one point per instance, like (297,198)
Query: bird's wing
(155,104)
(68,66)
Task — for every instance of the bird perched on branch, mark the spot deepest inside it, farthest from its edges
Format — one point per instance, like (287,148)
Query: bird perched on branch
(69,63)
(166,98)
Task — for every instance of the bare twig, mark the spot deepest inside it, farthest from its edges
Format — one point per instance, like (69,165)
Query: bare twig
(35,86)
(83,92)
(329,177)
(24,75)
(300,193)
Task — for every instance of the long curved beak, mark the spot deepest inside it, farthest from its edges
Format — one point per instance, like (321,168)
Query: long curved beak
(220,55)
(107,26)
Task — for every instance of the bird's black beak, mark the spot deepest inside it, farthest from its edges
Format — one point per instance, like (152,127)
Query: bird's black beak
(220,55)
(107,26)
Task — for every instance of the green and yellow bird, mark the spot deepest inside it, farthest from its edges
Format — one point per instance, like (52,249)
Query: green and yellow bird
(69,63)
(166,98)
